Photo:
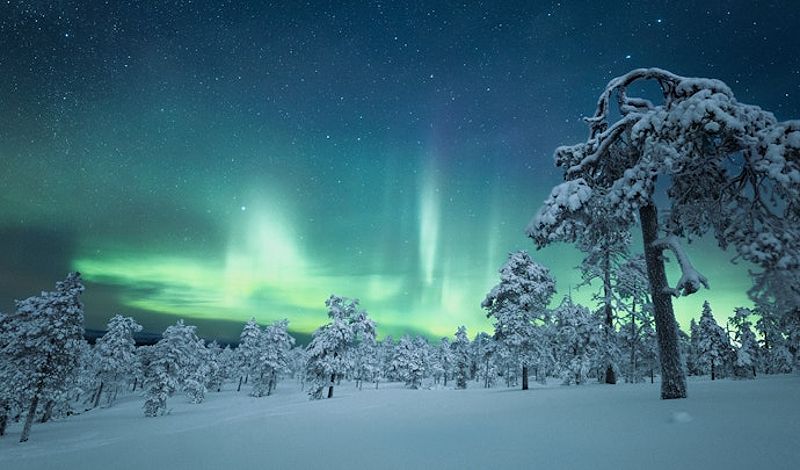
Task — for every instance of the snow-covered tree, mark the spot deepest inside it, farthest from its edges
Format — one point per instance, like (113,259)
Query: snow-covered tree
(408,362)
(604,242)
(197,367)
(115,355)
(273,360)
(248,350)
(747,349)
(367,362)
(176,361)
(485,351)
(42,348)
(774,355)
(9,396)
(442,361)
(713,346)
(327,358)
(577,337)
(728,168)
(218,359)
(461,357)
(517,303)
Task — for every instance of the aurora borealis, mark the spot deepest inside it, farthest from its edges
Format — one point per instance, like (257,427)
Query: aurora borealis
(221,160)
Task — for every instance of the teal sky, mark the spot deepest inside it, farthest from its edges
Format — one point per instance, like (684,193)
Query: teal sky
(214,162)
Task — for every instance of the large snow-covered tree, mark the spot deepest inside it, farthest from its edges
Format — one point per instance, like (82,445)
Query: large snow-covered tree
(517,303)
(115,354)
(327,352)
(42,347)
(728,168)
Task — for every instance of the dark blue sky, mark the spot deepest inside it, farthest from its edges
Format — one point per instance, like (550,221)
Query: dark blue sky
(219,160)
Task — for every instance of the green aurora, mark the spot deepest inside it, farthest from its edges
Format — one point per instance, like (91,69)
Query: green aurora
(288,158)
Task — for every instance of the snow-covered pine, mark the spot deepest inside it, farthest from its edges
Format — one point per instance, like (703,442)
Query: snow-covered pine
(461,357)
(577,335)
(730,168)
(776,293)
(177,360)
(747,347)
(774,355)
(42,348)
(484,350)
(273,358)
(712,344)
(517,303)
(9,399)
(367,362)
(408,362)
(196,368)
(247,351)
(115,354)
(327,357)
(631,289)
(217,366)
(442,362)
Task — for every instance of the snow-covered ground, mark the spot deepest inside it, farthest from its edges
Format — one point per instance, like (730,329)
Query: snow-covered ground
(722,425)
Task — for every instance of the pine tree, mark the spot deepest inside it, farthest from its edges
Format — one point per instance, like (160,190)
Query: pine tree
(43,349)
(442,363)
(461,357)
(578,334)
(774,356)
(712,343)
(725,165)
(275,344)
(747,350)
(517,303)
(176,361)
(218,360)
(408,362)
(327,352)
(248,350)
(484,350)
(115,355)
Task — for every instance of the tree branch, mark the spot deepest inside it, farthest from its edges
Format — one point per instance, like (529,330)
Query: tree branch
(691,280)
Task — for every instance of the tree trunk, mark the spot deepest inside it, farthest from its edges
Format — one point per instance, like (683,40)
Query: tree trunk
(48,411)
(26,430)
(633,342)
(97,396)
(524,377)
(4,409)
(673,381)
(611,377)
(330,388)
(135,383)
(713,375)
(239,388)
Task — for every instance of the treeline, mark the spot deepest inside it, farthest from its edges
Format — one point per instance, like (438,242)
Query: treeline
(48,370)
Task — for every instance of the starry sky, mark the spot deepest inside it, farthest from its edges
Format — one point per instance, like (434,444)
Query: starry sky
(220,160)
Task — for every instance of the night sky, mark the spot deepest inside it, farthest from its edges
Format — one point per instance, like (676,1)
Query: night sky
(221,160)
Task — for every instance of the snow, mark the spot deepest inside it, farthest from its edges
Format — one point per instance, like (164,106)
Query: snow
(724,424)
